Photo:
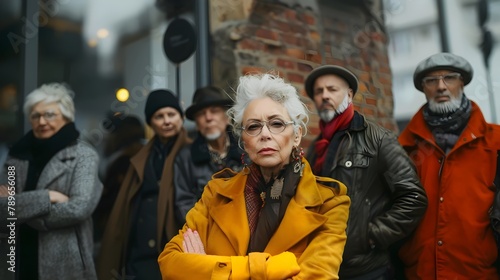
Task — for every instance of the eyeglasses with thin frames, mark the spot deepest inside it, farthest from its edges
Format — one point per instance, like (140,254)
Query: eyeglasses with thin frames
(448,79)
(275,126)
(47,116)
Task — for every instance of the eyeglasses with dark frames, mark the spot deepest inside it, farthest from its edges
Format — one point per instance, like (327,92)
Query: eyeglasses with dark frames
(275,126)
(448,79)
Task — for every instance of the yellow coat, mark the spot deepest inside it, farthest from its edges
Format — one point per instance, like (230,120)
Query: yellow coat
(311,234)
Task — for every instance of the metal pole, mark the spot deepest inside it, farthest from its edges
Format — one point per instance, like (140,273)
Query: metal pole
(443,30)
(29,56)
(178,80)
(203,69)
(491,95)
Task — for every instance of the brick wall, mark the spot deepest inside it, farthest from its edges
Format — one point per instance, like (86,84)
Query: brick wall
(292,38)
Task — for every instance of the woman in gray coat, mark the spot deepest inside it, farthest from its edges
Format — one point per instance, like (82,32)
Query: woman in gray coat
(49,194)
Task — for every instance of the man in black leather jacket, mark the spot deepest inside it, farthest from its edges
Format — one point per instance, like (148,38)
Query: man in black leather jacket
(214,148)
(387,199)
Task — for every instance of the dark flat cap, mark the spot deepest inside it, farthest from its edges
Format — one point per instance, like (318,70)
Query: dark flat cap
(206,97)
(342,72)
(442,61)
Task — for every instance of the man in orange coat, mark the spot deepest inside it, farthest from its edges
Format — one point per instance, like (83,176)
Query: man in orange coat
(455,152)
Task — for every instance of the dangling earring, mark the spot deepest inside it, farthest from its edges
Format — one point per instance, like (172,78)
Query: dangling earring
(297,154)
(245,169)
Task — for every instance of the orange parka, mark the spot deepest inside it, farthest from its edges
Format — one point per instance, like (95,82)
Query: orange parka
(311,234)
(454,239)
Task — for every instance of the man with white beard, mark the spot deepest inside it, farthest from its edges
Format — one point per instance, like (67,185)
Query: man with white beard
(213,149)
(387,200)
(456,155)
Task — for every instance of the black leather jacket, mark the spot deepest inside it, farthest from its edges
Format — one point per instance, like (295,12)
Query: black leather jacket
(193,168)
(387,199)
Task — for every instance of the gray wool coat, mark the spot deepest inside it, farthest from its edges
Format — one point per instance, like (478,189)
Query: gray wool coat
(65,241)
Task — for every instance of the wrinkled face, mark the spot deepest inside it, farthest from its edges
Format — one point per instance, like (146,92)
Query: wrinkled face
(46,119)
(443,90)
(211,122)
(166,122)
(331,96)
(271,151)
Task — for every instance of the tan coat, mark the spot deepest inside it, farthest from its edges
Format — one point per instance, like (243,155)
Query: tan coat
(111,260)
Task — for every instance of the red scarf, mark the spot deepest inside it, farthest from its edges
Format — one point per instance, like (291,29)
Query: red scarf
(327,131)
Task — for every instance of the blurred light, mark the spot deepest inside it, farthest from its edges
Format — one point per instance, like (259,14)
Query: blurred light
(122,95)
(92,43)
(102,33)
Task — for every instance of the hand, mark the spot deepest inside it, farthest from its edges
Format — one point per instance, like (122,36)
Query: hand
(4,191)
(57,197)
(192,243)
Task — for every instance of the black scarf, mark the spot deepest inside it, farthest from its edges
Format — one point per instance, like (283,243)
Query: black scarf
(160,153)
(447,127)
(38,152)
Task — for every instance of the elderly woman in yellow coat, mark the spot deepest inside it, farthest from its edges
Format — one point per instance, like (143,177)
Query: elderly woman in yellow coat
(272,220)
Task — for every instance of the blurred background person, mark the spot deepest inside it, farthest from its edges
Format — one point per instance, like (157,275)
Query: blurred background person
(143,219)
(387,198)
(272,220)
(455,151)
(214,148)
(126,136)
(57,188)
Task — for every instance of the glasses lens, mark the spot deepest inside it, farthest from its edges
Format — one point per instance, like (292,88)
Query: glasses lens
(451,78)
(276,126)
(253,128)
(35,116)
(431,81)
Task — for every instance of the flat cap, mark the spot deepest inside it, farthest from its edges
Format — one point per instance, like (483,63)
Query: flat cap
(442,61)
(342,72)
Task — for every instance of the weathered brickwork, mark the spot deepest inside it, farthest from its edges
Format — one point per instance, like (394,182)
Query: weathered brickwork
(291,39)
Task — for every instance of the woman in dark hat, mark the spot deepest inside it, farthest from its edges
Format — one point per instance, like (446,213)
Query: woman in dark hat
(213,149)
(143,219)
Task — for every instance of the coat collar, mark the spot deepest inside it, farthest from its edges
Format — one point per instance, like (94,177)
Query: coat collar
(417,129)
(56,167)
(229,212)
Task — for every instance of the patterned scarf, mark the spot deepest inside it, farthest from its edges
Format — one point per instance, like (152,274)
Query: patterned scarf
(447,127)
(327,131)
(254,186)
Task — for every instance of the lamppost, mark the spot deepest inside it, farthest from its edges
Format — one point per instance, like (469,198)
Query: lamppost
(486,47)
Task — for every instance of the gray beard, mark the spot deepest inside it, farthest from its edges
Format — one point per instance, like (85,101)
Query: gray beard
(328,115)
(446,107)
(213,136)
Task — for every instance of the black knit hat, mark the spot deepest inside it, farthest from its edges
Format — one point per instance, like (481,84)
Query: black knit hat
(205,97)
(342,72)
(158,99)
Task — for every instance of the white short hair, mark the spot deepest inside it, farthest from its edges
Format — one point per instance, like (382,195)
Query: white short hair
(256,86)
(53,92)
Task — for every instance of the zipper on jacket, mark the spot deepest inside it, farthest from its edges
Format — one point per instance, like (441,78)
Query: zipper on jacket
(441,161)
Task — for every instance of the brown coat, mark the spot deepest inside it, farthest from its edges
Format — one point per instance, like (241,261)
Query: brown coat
(111,258)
